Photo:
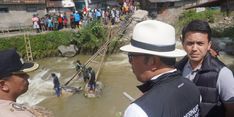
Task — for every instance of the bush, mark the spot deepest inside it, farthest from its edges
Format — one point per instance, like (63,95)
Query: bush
(42,45)
(88,39)
(226,32)
(91,37)
(188,16)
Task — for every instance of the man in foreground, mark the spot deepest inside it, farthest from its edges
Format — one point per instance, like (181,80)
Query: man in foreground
(13,83)
(152,54)
(213,78)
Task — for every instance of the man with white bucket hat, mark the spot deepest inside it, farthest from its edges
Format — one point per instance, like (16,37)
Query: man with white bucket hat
(152,54)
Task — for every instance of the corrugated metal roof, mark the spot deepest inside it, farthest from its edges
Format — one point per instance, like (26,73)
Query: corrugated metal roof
(22,1)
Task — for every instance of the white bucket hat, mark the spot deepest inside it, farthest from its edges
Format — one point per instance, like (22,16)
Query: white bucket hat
(154,38)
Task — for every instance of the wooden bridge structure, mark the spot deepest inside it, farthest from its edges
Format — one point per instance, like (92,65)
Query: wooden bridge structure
(98,58)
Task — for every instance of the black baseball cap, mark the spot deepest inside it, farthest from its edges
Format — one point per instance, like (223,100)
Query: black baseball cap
(11,63)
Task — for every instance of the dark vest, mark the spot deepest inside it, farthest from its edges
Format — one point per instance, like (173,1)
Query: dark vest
(170,95)
(206,80)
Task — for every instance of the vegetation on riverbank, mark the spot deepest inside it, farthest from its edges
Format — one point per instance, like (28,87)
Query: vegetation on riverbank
(43,45)
(213,16)
(88,39)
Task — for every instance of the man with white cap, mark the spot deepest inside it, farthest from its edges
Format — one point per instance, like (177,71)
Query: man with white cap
(166,93)
(13,83)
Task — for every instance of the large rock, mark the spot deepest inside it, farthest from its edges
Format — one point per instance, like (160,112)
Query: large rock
(140,15)
(68,51)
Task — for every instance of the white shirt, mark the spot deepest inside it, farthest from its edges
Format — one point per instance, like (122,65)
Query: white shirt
(12,109)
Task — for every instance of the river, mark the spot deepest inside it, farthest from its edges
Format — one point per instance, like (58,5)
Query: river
(116,75)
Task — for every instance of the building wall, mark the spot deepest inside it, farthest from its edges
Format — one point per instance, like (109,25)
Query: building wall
(20,14)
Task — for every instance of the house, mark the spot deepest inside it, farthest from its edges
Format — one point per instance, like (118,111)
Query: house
(99,4)
(226,5)
(18,13)
(55,6)
(156,7)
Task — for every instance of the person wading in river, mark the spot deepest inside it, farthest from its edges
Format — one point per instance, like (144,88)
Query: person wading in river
(92,80)
(57,87)
(152,56)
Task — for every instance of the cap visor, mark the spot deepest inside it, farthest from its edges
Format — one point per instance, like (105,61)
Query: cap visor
(27,67)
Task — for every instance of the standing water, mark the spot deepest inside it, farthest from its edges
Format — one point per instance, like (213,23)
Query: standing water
(116,76)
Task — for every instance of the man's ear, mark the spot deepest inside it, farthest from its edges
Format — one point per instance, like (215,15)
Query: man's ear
(3,85)
(209,45)
(154,62)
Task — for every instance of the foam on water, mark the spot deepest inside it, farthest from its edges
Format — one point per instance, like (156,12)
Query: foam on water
(122,61)
(39,89)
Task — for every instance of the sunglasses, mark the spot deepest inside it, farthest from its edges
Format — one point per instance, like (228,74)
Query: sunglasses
(132,55)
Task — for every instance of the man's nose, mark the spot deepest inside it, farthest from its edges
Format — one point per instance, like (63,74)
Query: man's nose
(194,47)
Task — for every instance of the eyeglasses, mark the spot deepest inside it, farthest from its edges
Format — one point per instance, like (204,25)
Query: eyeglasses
(131,55)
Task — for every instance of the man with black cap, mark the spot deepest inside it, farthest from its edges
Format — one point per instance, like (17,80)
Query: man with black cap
(13,83)
(152,55)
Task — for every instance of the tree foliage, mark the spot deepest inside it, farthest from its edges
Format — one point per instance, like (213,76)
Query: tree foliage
(91,37)
(189,15)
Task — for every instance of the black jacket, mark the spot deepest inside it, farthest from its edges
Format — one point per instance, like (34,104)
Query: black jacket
(206,80)
(170,95)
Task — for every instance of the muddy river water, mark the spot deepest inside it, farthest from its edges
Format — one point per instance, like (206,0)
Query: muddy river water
(116,76)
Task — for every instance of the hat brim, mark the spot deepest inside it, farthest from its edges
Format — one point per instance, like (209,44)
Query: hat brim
(27,67)
(171,54)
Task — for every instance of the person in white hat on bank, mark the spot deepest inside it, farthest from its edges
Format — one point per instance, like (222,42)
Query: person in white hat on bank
(13,83)
(166,93)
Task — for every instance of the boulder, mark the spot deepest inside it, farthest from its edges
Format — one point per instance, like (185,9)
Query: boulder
(68,51)
(140,15)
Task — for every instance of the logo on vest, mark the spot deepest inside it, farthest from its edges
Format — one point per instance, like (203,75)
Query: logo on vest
(193,113)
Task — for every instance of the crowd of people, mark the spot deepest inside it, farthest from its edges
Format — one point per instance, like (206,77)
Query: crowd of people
(77,19)
(49,22)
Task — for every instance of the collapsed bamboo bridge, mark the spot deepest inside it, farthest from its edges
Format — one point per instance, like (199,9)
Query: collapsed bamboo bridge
(96,60)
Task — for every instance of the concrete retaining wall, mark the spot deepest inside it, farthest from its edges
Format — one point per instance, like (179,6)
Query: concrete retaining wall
(19,15)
